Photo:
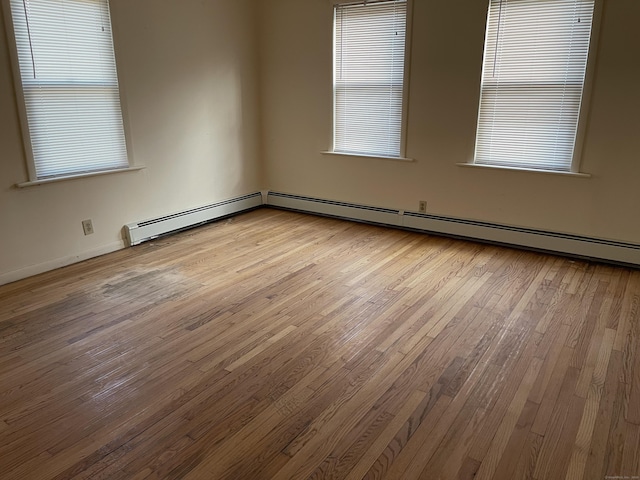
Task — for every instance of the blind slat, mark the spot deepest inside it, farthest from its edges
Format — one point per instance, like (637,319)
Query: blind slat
(369,46)
(70,85)
(532,82)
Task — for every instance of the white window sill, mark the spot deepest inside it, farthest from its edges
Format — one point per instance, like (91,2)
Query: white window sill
(376,157)
(531,170)
(79,175)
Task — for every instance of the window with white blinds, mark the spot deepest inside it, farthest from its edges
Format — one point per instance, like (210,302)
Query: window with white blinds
(532,81)
(369,51)
(70,86)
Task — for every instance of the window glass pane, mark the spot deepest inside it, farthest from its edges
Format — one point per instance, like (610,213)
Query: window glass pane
(70,86)
(532,82)
(368,77)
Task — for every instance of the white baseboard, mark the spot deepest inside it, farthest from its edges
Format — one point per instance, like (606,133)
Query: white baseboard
(32,270)
(554,242)
(384,216)
(146,230)
(572,245)
(143,231)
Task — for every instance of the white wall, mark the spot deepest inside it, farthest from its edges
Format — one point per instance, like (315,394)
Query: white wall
(188,74)
(446,61)
(224,98)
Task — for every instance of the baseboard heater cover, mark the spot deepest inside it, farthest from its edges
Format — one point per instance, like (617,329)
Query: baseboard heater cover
(573,245)
(383,216)
(139,232)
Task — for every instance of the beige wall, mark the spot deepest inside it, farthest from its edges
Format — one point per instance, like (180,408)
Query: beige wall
(446,60)
(218,92)
(188,74)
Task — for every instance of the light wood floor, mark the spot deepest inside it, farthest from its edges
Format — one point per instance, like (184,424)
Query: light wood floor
(276,345)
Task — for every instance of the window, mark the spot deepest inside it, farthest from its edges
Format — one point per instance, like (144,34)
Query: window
(69,85)
(532,82)
(369,51)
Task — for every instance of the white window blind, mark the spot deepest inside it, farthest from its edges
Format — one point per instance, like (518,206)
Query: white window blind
(369,50)
(70,86)
(532,81)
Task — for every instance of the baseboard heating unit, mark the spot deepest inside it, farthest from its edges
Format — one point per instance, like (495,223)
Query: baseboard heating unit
(139,232)
(572,245)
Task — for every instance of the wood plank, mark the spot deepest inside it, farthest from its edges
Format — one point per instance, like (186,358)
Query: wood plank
(517,445)
(584,437)
(383,440)
(499,443)
(281,345)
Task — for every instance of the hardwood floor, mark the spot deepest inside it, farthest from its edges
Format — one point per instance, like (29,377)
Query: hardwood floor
(276,345)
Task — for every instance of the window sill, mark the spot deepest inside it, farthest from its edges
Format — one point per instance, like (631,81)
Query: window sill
(376,157)
(79,175)
(531,170)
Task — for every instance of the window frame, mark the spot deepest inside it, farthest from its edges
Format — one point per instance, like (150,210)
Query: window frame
(405,84)
(33,179)
(583,115)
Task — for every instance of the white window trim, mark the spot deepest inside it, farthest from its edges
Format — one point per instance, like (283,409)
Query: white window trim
(587,89)
(64,178)
(362,155)
(528,170)
(583,118)
(33,179)
(405,88)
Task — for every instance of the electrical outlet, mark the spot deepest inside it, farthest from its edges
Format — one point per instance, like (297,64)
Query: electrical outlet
(422,206)
(87,226)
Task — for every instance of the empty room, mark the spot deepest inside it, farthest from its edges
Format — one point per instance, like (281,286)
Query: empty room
(319,239)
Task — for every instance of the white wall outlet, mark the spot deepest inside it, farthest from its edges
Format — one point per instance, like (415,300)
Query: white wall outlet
(422,206)
(87,226)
